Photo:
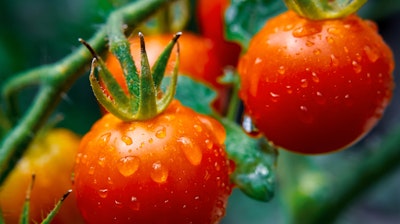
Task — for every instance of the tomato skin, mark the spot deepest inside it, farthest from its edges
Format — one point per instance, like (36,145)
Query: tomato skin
(170,169)
(316,86)
(211,23)
(51,157)
(198,59)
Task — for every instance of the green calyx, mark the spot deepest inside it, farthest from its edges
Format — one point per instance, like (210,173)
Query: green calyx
(145,99)
(324,9)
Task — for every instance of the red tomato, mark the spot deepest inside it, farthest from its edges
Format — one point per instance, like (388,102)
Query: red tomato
(316,86)
(51,158)
(198,59)
(169,169)
(211,22)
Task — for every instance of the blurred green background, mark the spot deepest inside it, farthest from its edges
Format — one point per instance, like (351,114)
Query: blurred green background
(37,32)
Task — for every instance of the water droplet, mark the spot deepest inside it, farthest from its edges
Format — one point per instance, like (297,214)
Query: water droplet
(320,98)
(151,140)
(372,54)
(281,70)
(101,161)
(305,115)
(258,61)
(274,97)
(346,49)
(84,159)
(118,203)
(329,39)
(91,170)
(192,152)
(127,140)
(306,30)
(358,57)
(288,27)
(78,158)
(309,43)
(289,89)
(109,181)
(161,133)
(159,173)
(304,83)
(103,193)
(217,166)
(105,138)
(356,67)
(249,127)
(198,128)
(333,30)
(134,204)
(128,165)
(334,61)
(317,51)
(209,144)
(315,77)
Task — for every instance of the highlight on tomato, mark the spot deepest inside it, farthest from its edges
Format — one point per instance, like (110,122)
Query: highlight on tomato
(316,86)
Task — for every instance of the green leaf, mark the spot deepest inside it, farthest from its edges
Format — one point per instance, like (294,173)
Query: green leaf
(195,95)
(244,18)
(255,162)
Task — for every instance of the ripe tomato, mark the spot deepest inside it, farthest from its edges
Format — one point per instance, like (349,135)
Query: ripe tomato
(316,86)
(51,158)
(211,22)
(169,169)
(198,59)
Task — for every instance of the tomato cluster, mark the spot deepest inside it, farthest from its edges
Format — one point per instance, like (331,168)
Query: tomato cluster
(308,86)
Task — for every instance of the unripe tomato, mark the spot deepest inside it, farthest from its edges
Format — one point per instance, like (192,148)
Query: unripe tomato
(316,86)
(170,169)
(51,158)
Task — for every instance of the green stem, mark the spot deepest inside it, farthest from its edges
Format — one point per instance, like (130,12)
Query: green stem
(324,9)
(56,208)
(234,101)
(56,79)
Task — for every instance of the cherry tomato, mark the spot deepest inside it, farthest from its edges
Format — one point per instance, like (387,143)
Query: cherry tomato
(316,86)
(51,158)
(169,169)
(198,59)
(211,22)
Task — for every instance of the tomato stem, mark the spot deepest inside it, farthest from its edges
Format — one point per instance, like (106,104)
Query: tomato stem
(324,9)
(234,101)
(143,99)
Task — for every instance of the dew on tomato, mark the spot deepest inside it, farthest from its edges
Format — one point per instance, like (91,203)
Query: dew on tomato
(178,170)
(316,86)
